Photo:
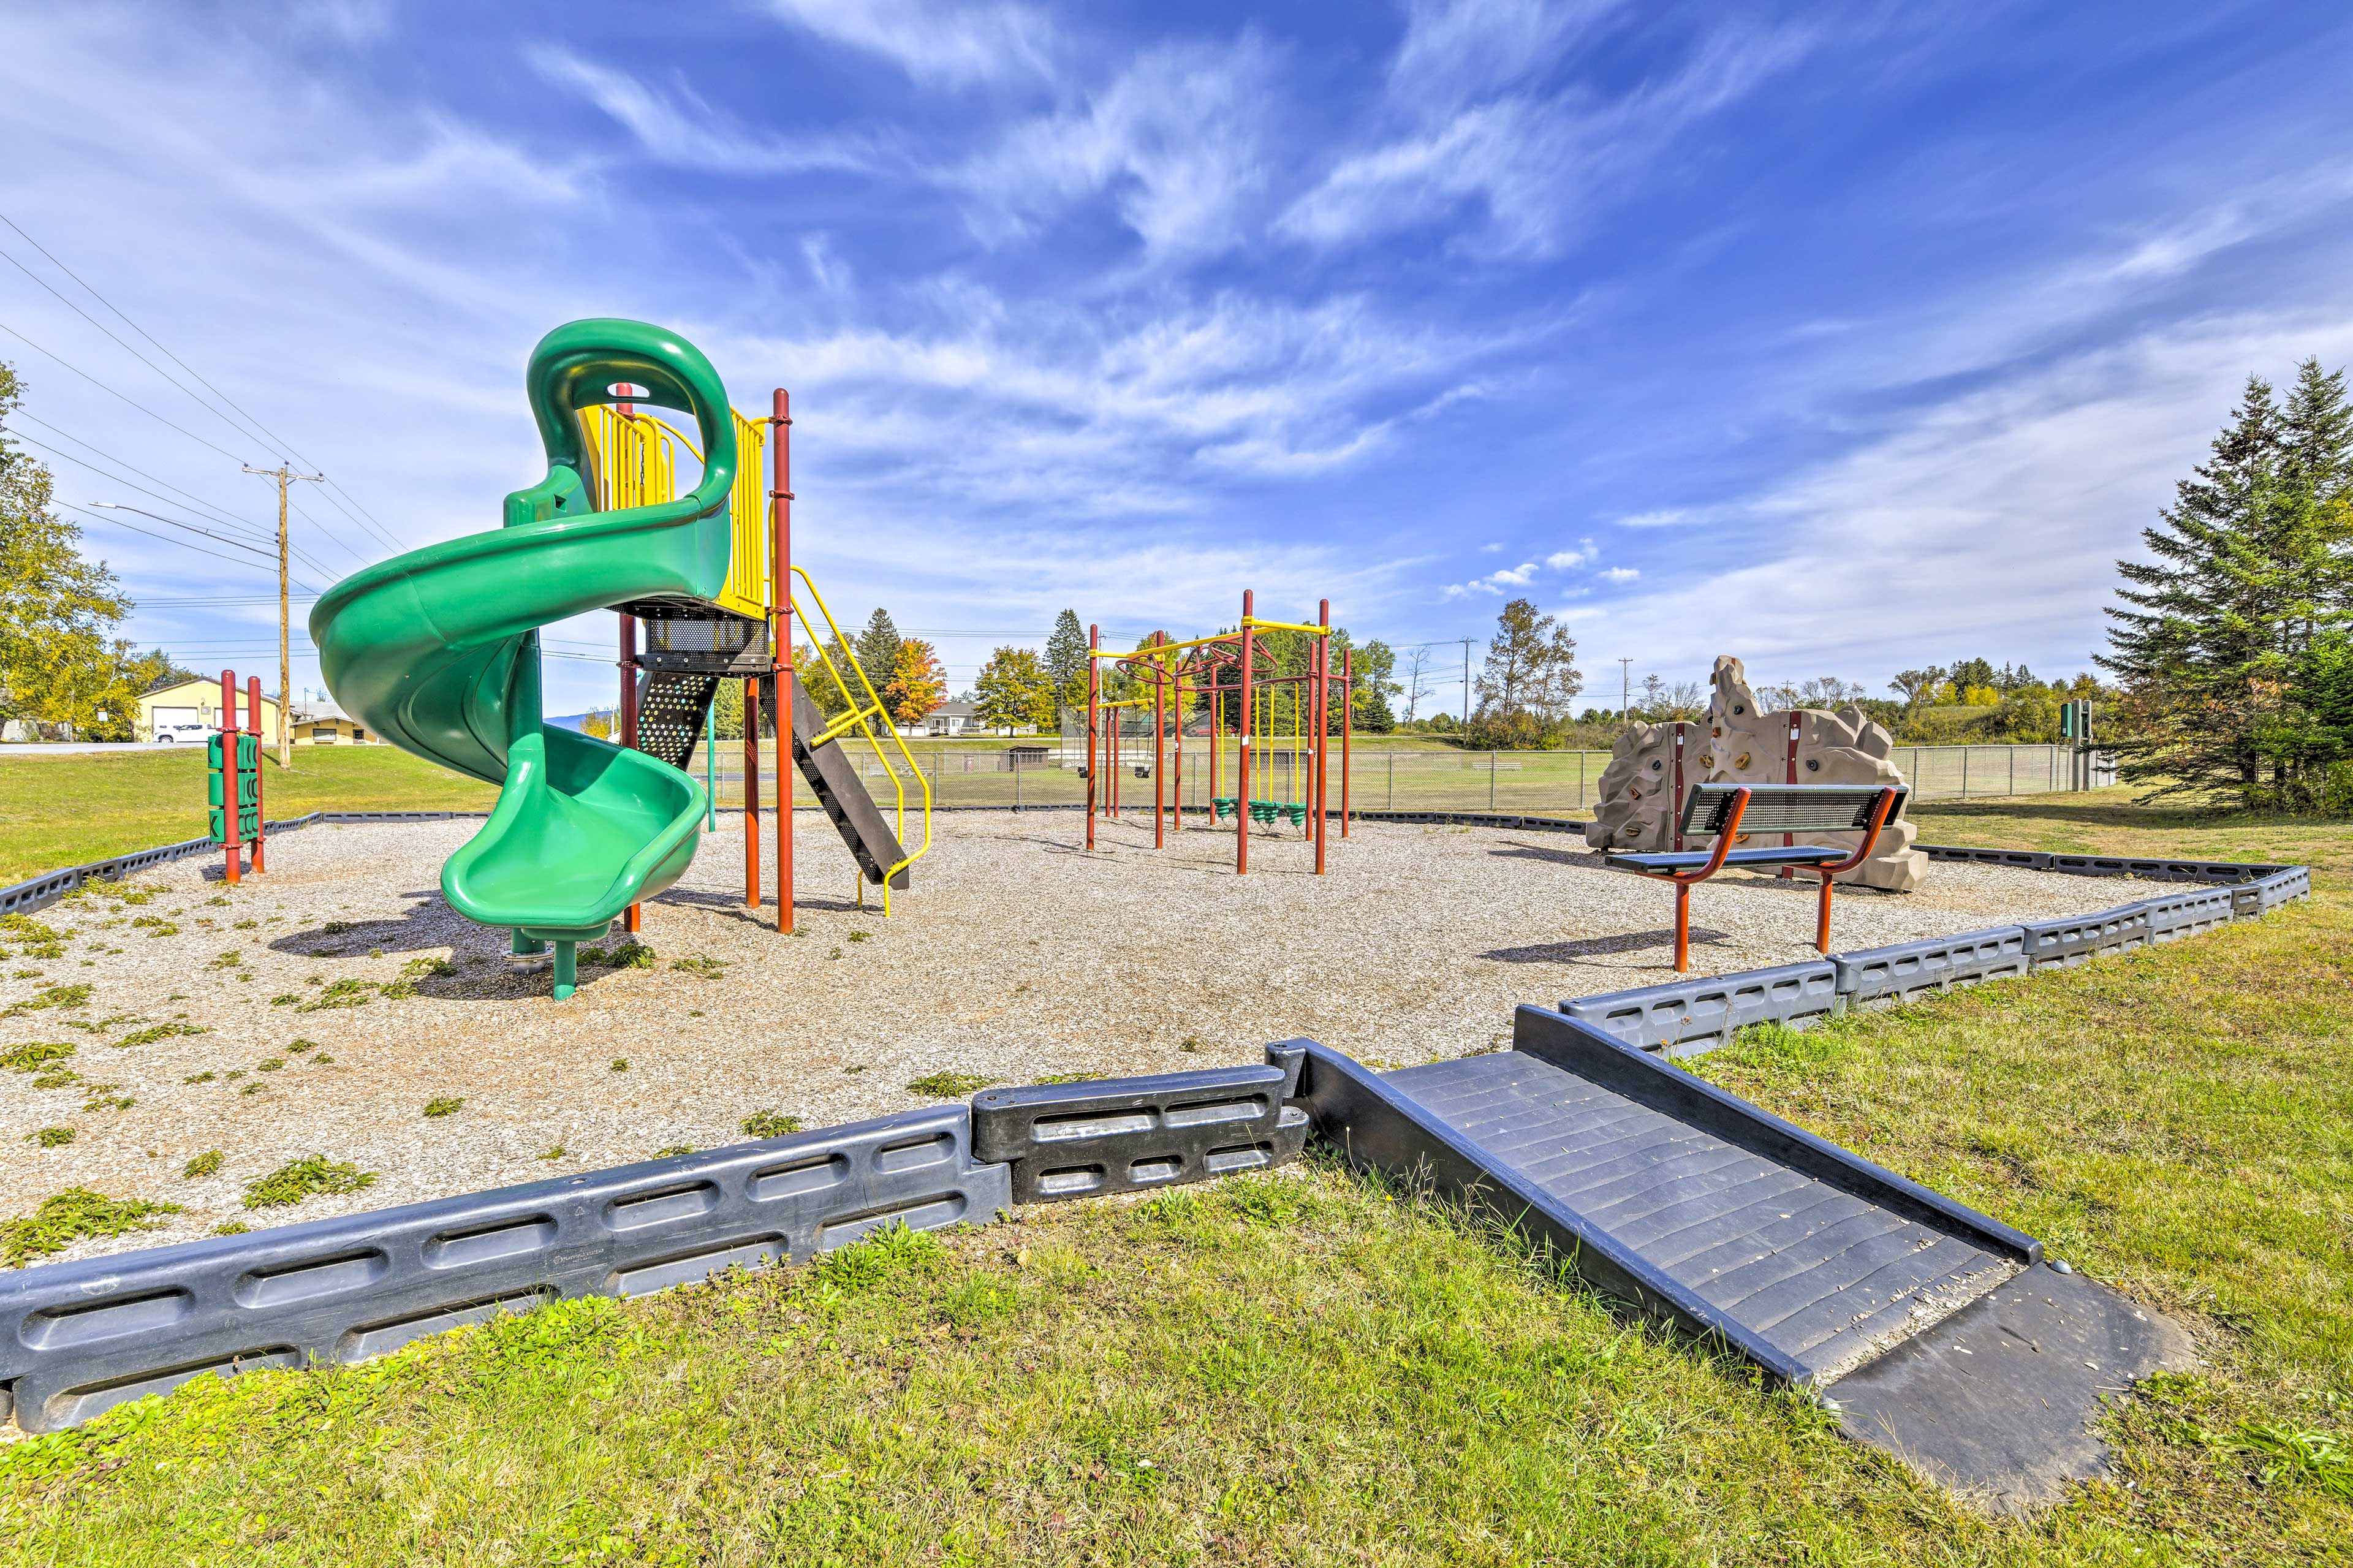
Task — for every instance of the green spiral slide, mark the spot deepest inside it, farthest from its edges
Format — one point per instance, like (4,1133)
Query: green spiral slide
(438,651)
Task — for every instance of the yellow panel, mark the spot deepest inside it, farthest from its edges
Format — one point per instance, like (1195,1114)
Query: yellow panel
(636,462)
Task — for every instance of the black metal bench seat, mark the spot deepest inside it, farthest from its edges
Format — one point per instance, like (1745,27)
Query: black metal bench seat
(1722,811)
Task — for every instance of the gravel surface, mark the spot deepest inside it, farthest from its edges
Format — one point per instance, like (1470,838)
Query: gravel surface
(1016,955)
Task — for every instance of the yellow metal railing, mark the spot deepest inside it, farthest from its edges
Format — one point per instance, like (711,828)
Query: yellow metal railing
(859,717)
(637,465)
(636,459)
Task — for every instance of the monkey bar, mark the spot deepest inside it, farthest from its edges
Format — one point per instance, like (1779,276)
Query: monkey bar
(1197,668)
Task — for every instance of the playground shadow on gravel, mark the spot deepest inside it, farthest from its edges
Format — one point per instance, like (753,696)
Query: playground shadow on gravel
(1601,946)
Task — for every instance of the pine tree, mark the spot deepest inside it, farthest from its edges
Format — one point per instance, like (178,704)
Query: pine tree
(2254,560)
(1066,660)
(877,648)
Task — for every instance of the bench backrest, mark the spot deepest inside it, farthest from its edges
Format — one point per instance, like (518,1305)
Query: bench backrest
(1788,808)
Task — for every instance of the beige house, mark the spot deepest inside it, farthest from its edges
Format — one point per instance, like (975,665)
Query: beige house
(324,724)
(166,711)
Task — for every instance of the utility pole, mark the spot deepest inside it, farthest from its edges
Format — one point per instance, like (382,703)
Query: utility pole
(1626,690)
(284,476)
(1466,681)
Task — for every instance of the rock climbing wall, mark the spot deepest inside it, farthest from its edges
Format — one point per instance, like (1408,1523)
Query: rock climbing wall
(1738,744)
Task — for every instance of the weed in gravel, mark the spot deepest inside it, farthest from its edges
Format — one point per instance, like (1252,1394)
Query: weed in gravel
(270,1065)
(858,936)
(28,1057)
(947,1085)
(253,1088)
(674,1149)
(555,1153)
(232,1074)
(246,925)
(348,992)
(336,928)
(321,1060)
(217,898)
(197,1078)
(57,1078)
(444,1105)
(770,1124)
(204,1164)
(427,968)
(285,999)
(702,966)
(232,1227)
(25,975)
(51,1137)
(232,959)
(298,1046)
(52,996)
(1189,1044)
(313,1176)
(155,1032)
(1068,1078)
(157,926)
(103,1097)
(620,1064)
(69,1216)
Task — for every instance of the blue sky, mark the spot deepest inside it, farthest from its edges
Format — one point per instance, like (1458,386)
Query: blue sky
(1843,338)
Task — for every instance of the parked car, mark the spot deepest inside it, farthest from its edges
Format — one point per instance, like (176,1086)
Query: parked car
(192,731)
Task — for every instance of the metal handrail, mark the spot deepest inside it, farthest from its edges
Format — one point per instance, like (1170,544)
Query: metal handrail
(862,716)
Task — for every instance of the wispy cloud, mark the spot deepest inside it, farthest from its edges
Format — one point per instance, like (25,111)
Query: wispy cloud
(943,42)
(676,126)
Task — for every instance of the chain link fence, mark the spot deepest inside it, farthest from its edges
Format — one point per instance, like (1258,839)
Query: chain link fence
(1549,784)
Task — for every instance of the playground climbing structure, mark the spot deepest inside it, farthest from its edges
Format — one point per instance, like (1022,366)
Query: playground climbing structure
(1167,677)
(438,650)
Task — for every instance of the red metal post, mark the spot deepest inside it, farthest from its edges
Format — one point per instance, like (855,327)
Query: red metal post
(752,791)
(1094,703)
(780,640)
(1241,752)
(1217,736)
(1676,805)
(229,774)
(260,814)
(1159,756)
(633,918)
(1176,778)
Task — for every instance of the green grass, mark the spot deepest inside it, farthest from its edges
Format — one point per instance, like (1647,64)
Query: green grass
(1312,1368)
(133,800)
(69,1216)
(307,1177)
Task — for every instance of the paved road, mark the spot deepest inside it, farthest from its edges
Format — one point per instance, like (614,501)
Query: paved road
(75,748)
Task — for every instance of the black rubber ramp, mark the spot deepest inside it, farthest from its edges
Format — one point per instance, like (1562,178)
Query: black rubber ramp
(2002,1401)
(1815,1271)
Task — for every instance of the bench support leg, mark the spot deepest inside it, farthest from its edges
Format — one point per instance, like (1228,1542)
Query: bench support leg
(1682,928)
(1823,925)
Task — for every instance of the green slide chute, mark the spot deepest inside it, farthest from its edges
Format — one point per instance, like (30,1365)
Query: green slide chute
(438,650)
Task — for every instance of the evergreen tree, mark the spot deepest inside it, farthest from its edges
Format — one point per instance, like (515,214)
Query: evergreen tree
(1066,660)
(2253,561)
(877,649)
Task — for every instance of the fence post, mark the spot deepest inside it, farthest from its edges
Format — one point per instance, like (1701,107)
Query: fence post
(1580,778)
(1491,781)
(2013,768)
(1964,773)
(1016,781)
(1392,780)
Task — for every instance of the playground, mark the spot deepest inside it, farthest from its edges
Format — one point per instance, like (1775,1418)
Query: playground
(1021,956)
(610,1039)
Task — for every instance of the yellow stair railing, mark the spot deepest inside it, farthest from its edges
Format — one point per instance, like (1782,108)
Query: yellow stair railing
(636,460)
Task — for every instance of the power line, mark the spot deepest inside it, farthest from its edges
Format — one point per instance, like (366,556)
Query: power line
(270,437)
(134,403)
(166,538)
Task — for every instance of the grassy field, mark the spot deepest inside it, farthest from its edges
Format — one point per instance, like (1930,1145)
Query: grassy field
(64,810)
(1313,1368)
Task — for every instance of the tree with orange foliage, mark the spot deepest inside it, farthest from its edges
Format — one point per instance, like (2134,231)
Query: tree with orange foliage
(917,682)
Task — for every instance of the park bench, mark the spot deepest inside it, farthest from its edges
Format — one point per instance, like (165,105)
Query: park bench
(1728,810)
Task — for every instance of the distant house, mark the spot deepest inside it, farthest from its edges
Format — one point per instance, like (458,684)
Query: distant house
(169,702)
(961,719)
(324,724)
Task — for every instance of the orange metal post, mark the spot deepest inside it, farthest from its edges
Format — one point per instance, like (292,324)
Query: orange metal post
(1322,792)
(1159,756)
(1348,727)
(229,775)
(260,808)
(780,640)
(752,791)
(633,918)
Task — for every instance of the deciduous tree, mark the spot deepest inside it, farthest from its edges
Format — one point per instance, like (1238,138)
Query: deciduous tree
(917,682)
(1014,689)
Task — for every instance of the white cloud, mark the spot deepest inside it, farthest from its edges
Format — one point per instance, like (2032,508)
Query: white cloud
(1454,49)
(934,41)
(1177,141)
(678,127)
(1495,582)
(1668,517)
(1620,575)
(1562,560)
(1529,160)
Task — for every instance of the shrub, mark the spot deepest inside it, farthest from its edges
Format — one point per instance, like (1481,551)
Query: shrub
(68,1218)
(947,1085)
(313,1175)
